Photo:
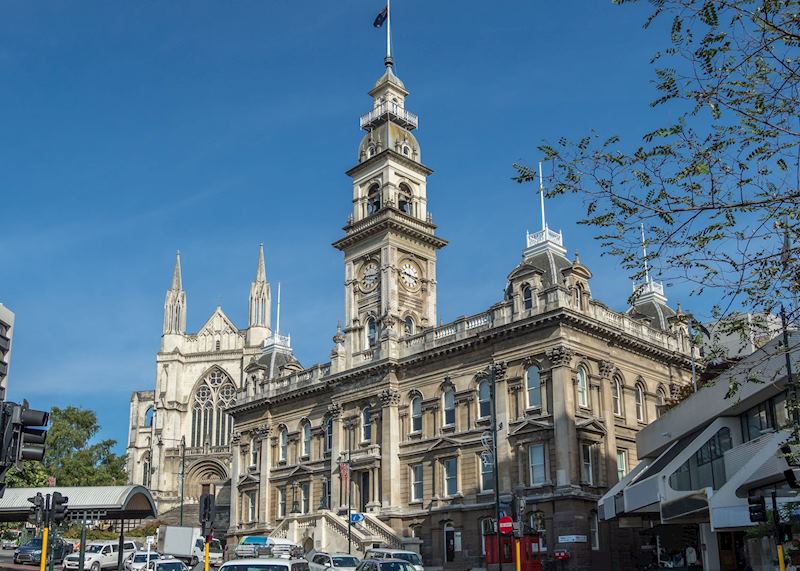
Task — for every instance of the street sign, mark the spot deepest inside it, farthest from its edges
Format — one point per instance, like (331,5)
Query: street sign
(506,525)
(572,539)
(356,518)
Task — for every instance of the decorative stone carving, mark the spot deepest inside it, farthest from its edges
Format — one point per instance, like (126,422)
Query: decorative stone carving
(606,368)
(389,397)
(514,387)
(236,438)
(335,410)
(261,431)
(560,356)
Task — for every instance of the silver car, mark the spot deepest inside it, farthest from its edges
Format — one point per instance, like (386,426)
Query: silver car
(138,561)
(339,561)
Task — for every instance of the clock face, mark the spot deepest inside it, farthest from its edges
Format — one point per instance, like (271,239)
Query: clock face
(409,274)
(370,275)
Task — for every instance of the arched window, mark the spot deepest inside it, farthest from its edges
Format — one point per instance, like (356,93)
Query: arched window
(404,197)
(146,471)
(408,325)
(366,425)
(210,423)
(484,400)
(306,438)
(148,417)
(527,298)
(449,407)
(329,434)
(373,199)
(372,332)
(533,387)
(639,403)
(371,151)
(407,150)
(616,396)
(283,444)
(661,400)
(416,414)
(579,296)
(582,385)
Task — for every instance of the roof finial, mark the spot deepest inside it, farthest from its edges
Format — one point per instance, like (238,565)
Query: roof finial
(261,271)
(541,196)
(177,281)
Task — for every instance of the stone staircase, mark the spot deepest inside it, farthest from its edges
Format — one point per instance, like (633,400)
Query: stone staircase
(191,515)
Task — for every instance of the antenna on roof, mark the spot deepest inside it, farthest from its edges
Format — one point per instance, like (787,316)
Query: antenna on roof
(541,195)
(644,251)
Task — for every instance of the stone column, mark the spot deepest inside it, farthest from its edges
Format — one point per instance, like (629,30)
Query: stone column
(390,449)
(335,412)
(503,418)
(261,439)
(565,434)
(236,454)
(607,407)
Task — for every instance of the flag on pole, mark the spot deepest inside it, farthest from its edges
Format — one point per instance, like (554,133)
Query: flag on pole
(381,17)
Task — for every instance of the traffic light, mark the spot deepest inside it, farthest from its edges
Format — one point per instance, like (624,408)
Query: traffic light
(758,508)
(32,436)
(207,509)
(36,510)
(791,478)
(785,534)
(58,507)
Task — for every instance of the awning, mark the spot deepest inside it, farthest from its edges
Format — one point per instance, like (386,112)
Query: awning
(91,502)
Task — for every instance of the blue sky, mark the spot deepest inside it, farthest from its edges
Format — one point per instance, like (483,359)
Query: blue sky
(133,129)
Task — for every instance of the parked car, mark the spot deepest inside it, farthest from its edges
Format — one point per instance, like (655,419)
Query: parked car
(101,555)
(139,560)
(10,539)
(167,564)
(322,561)
(269,564)
(31,552)
(410,557)
(384,565)
(255,546)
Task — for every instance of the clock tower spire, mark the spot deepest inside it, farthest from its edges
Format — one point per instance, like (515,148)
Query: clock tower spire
(390,242)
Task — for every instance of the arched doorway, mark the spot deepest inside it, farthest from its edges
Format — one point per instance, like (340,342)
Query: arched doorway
(203,472)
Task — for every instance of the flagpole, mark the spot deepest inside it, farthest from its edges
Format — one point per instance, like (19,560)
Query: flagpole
(388,28)
(541,197)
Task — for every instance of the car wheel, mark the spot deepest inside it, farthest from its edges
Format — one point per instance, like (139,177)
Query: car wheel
(195,561)
(96,566)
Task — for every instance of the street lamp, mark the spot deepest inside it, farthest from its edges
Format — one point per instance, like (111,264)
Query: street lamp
(493,370)
(349,424)
(183,467)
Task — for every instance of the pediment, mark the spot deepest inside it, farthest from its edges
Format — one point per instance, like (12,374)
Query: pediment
(444,443)
(531,425)
(248,479)
(591,425)
(300,470)
(218,323)
(526,268)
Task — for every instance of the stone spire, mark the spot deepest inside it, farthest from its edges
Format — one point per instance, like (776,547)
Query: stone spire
(175,303)
(259,305)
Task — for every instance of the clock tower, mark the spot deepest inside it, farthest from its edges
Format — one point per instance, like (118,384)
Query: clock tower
(390,242)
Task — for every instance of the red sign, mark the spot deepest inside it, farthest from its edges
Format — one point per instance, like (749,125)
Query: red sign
(506,524)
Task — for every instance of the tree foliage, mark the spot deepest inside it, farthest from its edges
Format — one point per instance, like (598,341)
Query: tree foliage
(32,475)
(717,189)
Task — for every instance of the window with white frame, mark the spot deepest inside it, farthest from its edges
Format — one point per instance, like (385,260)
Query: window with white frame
(450,469)
(616,396)
(416,483)
(305,497)
(533,387)
(484,400)
(587,463)
(527,297)
(622,463)
(487,475)
(306,439)
(416,414)
(582,387)
(252,506)
(366,425)
(326,493)
(408,325)
(449,407)
(661,400)
(372,332)
(281,502)
(594,531)
(536,467)
(329,434)
(283,445)
(210,423)
(639,399)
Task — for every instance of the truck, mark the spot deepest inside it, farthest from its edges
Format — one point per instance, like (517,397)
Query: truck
(188,544)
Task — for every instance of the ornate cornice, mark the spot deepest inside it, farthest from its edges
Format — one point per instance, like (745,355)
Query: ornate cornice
(335,410)
(261,431)
(389,397)
(606,368)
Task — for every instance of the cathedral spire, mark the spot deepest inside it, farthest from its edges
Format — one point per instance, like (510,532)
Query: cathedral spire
(259,304)
(175,303)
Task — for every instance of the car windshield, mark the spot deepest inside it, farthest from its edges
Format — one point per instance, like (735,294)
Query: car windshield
(256,567)
(95,548)
(344,561)
(34,543)
(142,557)
(255,541)
(215,547)
(399,566)
(412,558)
(170,566)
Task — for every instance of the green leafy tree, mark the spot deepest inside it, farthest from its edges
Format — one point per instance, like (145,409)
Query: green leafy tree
(70,456)
(32,475)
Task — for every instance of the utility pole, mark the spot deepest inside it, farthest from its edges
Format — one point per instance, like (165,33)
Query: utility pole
(493,384)
(349,425)
(183,471)
(776,522)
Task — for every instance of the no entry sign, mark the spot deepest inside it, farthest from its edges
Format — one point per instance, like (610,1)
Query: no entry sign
(506,525)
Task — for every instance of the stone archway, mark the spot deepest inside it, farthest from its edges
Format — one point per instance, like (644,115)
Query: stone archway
(204,472)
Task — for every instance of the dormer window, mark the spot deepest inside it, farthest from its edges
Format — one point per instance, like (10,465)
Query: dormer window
(373,199)
(527,298)
(371,150)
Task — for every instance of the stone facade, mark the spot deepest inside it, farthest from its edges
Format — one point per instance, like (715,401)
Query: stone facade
(407,404)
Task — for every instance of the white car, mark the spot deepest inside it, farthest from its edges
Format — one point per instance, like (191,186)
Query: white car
(410,557)
(167,564)
(100,555)
(322,561)
(139,560)
(272,564)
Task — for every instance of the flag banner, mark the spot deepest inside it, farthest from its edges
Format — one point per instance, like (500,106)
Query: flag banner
(381,17)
